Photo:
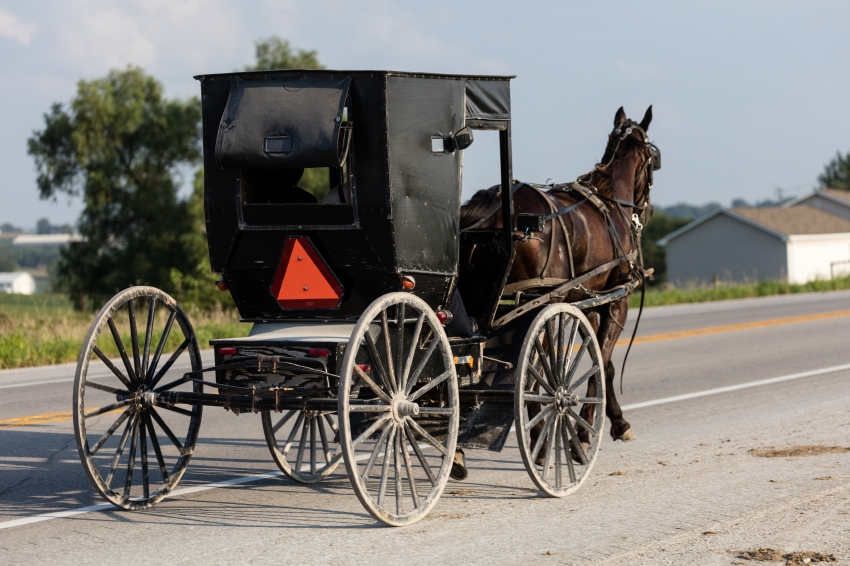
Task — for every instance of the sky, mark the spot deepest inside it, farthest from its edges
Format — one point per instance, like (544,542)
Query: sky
(747,97)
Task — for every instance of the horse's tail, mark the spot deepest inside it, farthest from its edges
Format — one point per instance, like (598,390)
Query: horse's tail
(479,207)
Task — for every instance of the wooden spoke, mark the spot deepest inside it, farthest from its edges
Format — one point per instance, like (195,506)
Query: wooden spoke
(101,387)
(568,350)
(283,420)
(120,450)
(301,445)
(422,461)
(323,435)
(177,410)
(110,432)
(331,423)
(562,350)
(134,340)
(131,459)
(108,408)
(547,458)
(569,455)
(577,360)
(430,385)
(167,431)
(399,494)
(156,449)
(108,363)
(385,330)
(539,417)
(373,457)
(143,447)
(557,457)
(575,442)
(544,361)
(372,385)
(399,350)
(428,438)
(148,337)
(162,340)
(539,379)
(591,372)
(169,363)
(414,339)
(553,350)
(371,430)
(120,345)
(532,397)
(298,424)
(385,469)
(376,361)
(582,423)
(313,445)
(541,438)
(427,356)
(409,468)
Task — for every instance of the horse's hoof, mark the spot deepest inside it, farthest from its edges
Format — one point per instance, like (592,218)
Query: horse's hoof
(627,436)
(585,446)
(459,471)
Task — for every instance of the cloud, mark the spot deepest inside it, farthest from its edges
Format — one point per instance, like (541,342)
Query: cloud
(12,27)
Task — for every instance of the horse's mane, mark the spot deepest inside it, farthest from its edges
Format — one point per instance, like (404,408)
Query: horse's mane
(477,207)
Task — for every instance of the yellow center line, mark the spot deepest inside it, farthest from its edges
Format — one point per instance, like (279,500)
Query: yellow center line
(734,327)
(65,415)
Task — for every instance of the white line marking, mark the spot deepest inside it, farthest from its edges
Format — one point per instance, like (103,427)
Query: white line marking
(258,477)
(728,388)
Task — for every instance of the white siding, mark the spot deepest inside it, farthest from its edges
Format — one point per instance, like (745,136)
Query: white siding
(728,248)
(17,282)
(810,257)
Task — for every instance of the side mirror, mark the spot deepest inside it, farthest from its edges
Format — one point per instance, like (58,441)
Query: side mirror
(463,138)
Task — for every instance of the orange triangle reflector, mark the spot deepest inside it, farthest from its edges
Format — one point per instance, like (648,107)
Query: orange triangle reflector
(303,280)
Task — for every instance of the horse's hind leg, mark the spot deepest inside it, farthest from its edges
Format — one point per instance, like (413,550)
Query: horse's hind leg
(611,324)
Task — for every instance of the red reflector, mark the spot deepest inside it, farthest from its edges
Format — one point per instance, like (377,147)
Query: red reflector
(444,317)
(303,280)
(221,284)
(365,367)
(317,352)
(227,351)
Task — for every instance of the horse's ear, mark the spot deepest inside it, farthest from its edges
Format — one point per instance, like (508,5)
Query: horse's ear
(620,117)
(647,118)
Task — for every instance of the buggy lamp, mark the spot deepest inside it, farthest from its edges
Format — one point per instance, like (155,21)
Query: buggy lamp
(221,284)
(317,352)
(227,351)
(464,361)
(408,283)
(445,317)
(365,368)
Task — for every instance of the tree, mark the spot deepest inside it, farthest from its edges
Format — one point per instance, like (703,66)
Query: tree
(276,53)
(119,145)
(653,255)
(836,173)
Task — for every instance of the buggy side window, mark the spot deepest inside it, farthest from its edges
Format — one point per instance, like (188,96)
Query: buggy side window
(480,164)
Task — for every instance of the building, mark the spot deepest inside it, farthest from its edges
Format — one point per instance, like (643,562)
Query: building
(834,201)
(45,239)
(17,282)
(795,244)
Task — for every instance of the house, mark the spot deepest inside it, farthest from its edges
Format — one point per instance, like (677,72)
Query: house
(17,282)
(795,244)
(834,201)
(45,239)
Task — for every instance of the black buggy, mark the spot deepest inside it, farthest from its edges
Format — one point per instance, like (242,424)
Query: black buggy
(361,350)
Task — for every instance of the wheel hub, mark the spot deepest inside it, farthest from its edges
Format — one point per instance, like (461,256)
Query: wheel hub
(565,399)
(402,408)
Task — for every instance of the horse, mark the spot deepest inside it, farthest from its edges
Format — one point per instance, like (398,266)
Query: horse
(583,239)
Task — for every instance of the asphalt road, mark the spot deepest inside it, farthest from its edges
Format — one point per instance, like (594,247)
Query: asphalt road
(687,491)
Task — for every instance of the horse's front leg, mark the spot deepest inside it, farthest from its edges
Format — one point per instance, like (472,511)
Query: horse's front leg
(612,320)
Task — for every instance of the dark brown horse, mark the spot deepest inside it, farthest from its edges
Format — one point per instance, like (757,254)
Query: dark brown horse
(581,240)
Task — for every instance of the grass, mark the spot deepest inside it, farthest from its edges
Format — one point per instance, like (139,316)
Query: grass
(669,295)
(44,329)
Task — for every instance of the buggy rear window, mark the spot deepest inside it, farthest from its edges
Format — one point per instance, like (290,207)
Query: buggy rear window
(284,122)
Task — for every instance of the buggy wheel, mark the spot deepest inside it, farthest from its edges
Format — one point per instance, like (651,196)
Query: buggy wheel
(559,402)
(148,455)
(303,443)
(398,409)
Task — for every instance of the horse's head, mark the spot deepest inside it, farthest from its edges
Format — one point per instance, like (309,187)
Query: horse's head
(629,147)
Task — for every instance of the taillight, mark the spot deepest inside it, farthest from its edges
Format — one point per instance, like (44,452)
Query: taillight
(366,368)
(221,284)
(445,317)
(408,283)
(227,351)
(317,352)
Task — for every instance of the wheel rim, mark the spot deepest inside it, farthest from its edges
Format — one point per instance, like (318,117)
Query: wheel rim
(132,449)
(399,409)
(560,400)
(303,443)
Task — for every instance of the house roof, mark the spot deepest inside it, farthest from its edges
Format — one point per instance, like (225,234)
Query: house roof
(835,195)
(780,222)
